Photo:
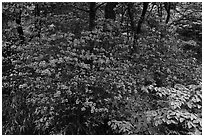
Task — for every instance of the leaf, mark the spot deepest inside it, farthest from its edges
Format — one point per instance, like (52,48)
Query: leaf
(172,113)
(156,123)
(159,121)
(31,7)
(199,106)
(160,94)
(181,119)
(178,114)
(144,89)
(109,123)
(154,113)
(197,132)
(192,116)
(189,104)
(173,121)
(168,70)
(197,98)
(189,124)
(168,122)
(22,129)
(149,120)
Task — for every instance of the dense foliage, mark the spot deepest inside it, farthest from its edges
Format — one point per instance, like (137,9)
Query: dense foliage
(62,75)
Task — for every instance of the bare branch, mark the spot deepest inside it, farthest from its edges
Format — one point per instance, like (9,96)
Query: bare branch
(99,5)
(85,10)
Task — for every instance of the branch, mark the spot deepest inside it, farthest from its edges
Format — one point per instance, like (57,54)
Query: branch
(99,5)
(79,8)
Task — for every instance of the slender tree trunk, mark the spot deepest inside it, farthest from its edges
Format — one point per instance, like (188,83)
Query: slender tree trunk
(160,10)
(145,6)
(19,26)
(111,15)
(92,16)
(131,16)
(123,13)
(167,6)
(132,23)
(37,20)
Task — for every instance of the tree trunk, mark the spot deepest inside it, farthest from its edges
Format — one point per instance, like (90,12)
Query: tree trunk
(92,15)
(109,10)
(145,6)
(138,30)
